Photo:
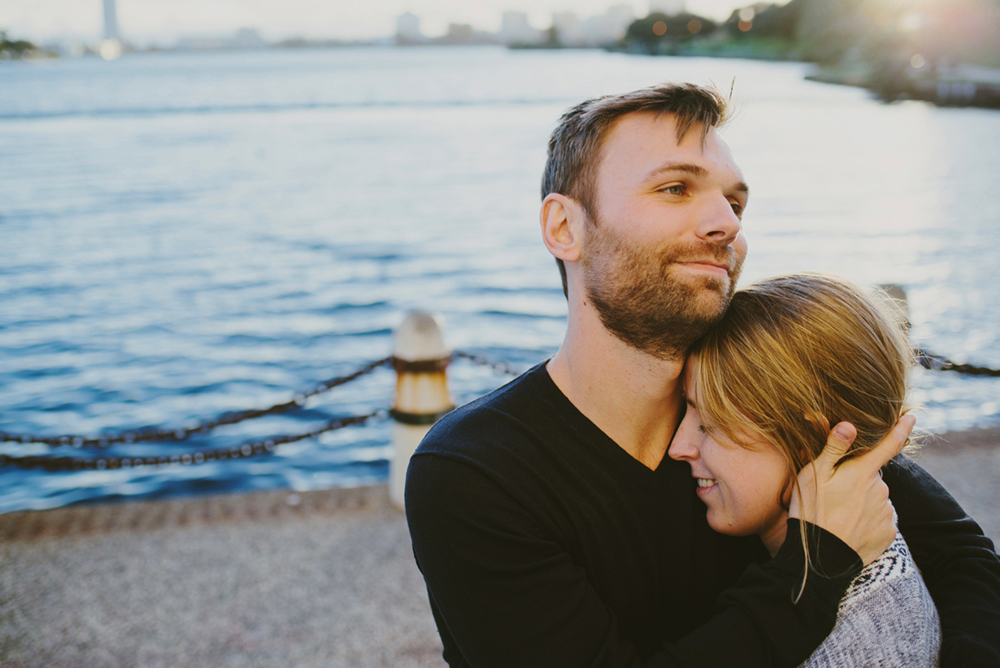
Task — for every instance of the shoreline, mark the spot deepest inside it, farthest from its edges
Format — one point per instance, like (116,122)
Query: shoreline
(97,516)
(319,579)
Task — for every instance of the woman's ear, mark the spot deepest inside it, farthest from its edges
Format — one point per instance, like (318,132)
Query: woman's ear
(562,220)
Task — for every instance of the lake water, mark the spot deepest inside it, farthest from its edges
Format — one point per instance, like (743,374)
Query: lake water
(187,234)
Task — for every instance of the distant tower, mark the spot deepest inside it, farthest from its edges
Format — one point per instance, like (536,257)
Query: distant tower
(515,29)
(668,7)
(408,29)
(111,20)
(567,28)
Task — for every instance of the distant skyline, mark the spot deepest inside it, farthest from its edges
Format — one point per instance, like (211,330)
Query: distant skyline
(164,21)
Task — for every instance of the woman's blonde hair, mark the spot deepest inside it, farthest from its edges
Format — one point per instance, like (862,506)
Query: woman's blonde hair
(793,356)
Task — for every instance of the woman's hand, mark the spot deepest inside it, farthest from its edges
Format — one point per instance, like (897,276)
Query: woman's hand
(851,501)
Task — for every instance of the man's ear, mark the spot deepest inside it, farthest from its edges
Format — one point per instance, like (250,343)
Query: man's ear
(562,226)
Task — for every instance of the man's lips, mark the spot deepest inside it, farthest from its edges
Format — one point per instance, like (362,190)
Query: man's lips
(707,265)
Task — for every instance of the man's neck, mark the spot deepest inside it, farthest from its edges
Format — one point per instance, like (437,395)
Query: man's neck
(631,396)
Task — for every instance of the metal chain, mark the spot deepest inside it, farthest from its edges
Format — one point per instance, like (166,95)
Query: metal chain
(926,359)
(159,435)
(243,451)
(500,367)
(931,361)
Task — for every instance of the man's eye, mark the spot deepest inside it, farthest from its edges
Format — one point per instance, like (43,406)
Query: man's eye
(673,190)
(737,208)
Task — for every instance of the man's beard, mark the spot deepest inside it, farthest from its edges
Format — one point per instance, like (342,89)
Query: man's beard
(641,299)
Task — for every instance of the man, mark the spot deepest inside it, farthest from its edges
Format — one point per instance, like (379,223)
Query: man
(549,525)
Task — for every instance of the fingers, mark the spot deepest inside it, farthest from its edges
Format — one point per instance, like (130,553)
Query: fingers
(878,529)
(890,446)
(851,501)
(837,444)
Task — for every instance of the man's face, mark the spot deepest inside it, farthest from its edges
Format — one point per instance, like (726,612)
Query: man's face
(663,252)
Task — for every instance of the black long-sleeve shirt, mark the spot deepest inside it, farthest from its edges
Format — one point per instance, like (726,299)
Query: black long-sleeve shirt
(543,543)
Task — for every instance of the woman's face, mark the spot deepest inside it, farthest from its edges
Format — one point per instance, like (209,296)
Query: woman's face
(742,484)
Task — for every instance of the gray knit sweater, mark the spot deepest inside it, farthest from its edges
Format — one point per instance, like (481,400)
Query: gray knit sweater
(886,618)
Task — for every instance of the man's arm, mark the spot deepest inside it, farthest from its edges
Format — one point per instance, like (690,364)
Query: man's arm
(507,594)
(958,563)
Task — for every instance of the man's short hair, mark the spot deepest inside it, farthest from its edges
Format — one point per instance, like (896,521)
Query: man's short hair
(576,143)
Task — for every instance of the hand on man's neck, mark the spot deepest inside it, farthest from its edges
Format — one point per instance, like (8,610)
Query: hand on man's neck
(631,396)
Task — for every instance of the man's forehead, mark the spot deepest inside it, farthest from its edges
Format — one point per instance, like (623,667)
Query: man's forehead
(663,125)
(648,139)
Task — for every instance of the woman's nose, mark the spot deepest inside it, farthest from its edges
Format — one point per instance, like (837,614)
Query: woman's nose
(683,447)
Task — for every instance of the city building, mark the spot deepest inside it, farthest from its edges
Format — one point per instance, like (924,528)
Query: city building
(567,29)
(111,20)
(607,28)
(244,38)
(408,29)
(515,29)
(247,38)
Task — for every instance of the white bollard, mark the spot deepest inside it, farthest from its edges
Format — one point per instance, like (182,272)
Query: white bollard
(899,301)
(420,358)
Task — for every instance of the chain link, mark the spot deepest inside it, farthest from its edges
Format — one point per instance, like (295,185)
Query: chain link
(256,448)
(160,435)
(499,367)
(926,359)
(242,451)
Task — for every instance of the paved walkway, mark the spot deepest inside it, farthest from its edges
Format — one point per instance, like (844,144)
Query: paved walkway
(319,579)
(238,581)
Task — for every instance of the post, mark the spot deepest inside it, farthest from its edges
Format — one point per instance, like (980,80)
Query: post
(420,358)
(899,301)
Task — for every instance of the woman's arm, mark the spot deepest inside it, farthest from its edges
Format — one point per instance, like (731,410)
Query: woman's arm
(958,562)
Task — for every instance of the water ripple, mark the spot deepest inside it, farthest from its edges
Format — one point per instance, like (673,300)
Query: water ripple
(187,235)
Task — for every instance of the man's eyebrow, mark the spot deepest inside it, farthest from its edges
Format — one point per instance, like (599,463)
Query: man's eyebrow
(686,167)
(690,168)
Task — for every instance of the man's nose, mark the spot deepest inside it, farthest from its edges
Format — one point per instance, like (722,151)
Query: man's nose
(719,223)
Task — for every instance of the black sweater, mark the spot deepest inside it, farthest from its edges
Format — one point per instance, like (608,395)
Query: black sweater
(543,543)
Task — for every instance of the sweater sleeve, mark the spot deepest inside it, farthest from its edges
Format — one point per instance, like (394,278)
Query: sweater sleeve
(505,594)
(887,618)
(958,563)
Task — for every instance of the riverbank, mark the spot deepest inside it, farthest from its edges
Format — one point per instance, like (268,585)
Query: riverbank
(958,86)
(265,579)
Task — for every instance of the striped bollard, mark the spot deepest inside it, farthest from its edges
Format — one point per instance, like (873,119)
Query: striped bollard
(420,358)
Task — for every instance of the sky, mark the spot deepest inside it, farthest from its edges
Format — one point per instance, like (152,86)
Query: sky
(163,21)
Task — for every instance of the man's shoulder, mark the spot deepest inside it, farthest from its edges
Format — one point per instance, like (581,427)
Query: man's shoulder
(493,417)
(508,444)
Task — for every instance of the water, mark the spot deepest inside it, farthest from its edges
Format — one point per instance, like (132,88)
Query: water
(187,234)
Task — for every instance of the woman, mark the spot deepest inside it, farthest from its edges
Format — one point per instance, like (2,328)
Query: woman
(792,356)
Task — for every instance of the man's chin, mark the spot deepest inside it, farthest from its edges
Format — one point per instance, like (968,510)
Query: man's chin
(711,293)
